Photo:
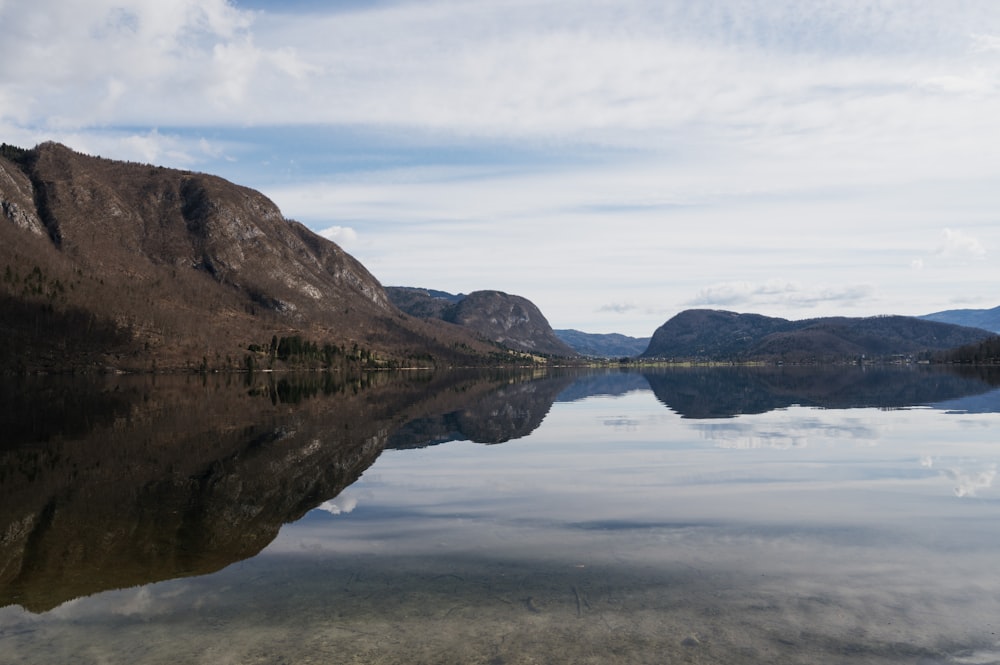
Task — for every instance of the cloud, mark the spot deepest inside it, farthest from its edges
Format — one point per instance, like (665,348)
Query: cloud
(618,308)
(776,292)
(155,148)
(344,236)
(848,294)
(554,69)
(986,43)
(954,248)
(91,63)
(737,293)
(957,245)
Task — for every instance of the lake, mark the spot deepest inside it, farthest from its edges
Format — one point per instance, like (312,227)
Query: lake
(730,515)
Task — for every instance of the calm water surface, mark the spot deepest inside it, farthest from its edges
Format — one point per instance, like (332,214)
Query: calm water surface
(688,516)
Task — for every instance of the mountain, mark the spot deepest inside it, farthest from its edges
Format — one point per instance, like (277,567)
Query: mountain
(730,336)
(606,345)
(110,264)
(987,319)
(510,320)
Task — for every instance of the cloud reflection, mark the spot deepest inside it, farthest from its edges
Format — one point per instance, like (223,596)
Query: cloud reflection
(969,478)
(968,482)
(622,424)
(343,504)
(790,432)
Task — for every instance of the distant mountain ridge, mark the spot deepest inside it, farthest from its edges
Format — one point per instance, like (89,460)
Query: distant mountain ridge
(510,320)
(604,345)
(987,319)
(731,336)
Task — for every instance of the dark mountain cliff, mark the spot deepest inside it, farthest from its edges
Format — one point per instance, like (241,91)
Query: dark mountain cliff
(510,320)
(122,264)
(730,336)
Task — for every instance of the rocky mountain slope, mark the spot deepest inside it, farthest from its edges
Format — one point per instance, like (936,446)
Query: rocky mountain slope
(510,320)
(730,336)
(112,264)
(987,319)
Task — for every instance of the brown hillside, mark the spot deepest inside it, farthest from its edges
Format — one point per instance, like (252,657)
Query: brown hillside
(109,263)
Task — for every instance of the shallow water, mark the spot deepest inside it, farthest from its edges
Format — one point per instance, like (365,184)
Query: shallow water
(614,518)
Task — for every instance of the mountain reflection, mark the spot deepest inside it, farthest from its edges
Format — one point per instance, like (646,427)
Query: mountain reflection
(113,483)
(731,391)
(109,483)
(511,411)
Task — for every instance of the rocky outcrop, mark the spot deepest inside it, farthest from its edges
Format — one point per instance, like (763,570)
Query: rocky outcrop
(509,320)
(513,321)
(17,199)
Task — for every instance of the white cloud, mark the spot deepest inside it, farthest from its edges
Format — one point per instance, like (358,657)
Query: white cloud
(344,236)
(554,69)
(975,83)
(618,308)
(747,294)
(90,63)
(741,292)
(988,43)
(154,148)
(959,245)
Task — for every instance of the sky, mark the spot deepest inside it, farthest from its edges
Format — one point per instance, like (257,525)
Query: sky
(613,161)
